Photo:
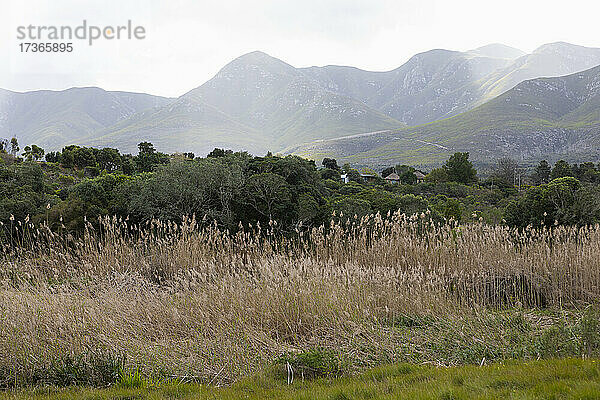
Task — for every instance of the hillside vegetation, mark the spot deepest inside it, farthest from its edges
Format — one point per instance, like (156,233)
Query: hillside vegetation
(53,119)
(545,117)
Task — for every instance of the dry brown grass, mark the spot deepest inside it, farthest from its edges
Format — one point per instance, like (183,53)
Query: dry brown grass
(185,300)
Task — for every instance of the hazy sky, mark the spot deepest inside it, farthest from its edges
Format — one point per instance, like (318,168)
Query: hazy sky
(188,41)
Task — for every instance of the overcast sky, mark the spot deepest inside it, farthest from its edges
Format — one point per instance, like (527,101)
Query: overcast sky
(188,41)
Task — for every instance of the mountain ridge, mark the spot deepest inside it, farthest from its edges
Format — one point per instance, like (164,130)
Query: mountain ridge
(260,103)
(55,118)
(555,117)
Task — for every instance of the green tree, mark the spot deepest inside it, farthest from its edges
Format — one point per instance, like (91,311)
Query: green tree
(84,157)
(437,175)
(563,200)
(33,152)
(14,146)
(408,178)
(269,196)
(207,187)
(388,171)
(308,209)
(448,208)
(327,173)
(531,208)
(23,191)
(330,163)
(505,172)
(561,169)
(460,169)
(109,159)
(347,208)
(148,158)
(53,156)
(588,173)
(128,164)
(542,173)
(354,176)
(216,153)
(146,148)
(91,198)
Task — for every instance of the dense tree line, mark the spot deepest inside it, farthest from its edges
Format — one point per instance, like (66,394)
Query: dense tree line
(230,188)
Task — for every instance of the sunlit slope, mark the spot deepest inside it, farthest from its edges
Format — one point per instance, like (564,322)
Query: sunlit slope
(540,118)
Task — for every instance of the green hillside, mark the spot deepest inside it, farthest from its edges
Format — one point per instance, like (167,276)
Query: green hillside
(546,117)
(53,119)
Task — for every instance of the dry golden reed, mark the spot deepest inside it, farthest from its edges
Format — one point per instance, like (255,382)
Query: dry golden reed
(188,299)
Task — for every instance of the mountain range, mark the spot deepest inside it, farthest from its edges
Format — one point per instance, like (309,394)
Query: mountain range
(57,118)
(539,118)
(469,100)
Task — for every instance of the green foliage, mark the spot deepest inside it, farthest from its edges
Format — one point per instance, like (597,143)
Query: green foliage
(349,207)
(557,341)
(327,173)
(89,158)
(354,176)
(148,158)
(3,146)
(542,173)
(33,153)
(315,363)
(437,175)
(563,201)
(561,169)
(132,379)
(589,328)
(216,153)
(350,188)
(408,178)
(186,188)
(269,195)
(460,169)
(330,163)
(568,379)
(387,171)
(14,146)
(92,368)
(232,188)
(448,208)
(23,191)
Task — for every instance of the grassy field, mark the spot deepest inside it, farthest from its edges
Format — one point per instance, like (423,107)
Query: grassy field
(189,301)
(550,379)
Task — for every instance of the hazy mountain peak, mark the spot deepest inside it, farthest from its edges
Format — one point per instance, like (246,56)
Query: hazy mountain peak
(433,55)
(498,50)
(561,47)
(257,58)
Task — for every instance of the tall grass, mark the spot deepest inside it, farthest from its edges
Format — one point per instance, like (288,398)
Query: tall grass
(190,301)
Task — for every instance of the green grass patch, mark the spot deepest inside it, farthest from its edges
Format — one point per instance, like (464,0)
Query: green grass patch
(548,379)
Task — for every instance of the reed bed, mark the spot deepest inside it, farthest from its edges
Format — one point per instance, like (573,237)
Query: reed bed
(191,301)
